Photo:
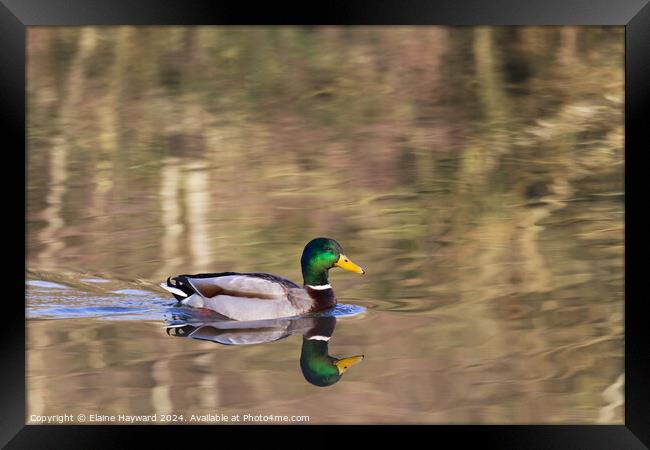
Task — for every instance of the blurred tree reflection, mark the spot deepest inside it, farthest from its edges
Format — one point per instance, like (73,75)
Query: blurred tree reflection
(415,135)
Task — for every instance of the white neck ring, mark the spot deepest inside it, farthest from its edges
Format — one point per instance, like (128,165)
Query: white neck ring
(318,338)
(321,287)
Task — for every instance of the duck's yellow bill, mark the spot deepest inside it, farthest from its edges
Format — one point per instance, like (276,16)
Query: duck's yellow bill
(345,363)
(345,263)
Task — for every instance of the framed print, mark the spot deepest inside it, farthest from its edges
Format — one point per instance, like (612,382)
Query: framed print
(402,213)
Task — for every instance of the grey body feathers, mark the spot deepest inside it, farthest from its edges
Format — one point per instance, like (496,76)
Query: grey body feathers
(242,296)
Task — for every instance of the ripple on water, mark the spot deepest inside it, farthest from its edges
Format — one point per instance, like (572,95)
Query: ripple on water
(342,310)
(94,280)
(131,292)
(51,300)
(45,284)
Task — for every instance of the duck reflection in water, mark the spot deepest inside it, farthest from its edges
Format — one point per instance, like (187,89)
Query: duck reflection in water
(318,367)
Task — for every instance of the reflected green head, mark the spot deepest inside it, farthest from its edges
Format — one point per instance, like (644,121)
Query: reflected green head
(318,367)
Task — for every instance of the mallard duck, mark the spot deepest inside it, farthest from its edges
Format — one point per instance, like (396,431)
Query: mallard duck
(318,367)
(258,296)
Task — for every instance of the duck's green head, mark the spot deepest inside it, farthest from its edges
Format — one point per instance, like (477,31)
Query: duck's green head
(319,256)
(321,369)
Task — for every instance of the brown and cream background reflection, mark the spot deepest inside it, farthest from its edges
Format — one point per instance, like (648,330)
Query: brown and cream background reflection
(475,173)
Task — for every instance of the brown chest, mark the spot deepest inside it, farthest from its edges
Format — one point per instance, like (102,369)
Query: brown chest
(323,298)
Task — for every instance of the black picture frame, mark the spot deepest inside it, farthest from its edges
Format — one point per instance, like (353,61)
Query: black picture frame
(16,15)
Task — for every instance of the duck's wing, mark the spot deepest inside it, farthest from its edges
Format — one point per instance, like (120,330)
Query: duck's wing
(241,296)
(251,285)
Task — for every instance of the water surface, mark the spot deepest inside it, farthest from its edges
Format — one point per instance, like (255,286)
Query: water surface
(475,173)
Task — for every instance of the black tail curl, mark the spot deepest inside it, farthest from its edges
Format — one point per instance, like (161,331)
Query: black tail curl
(180,285)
